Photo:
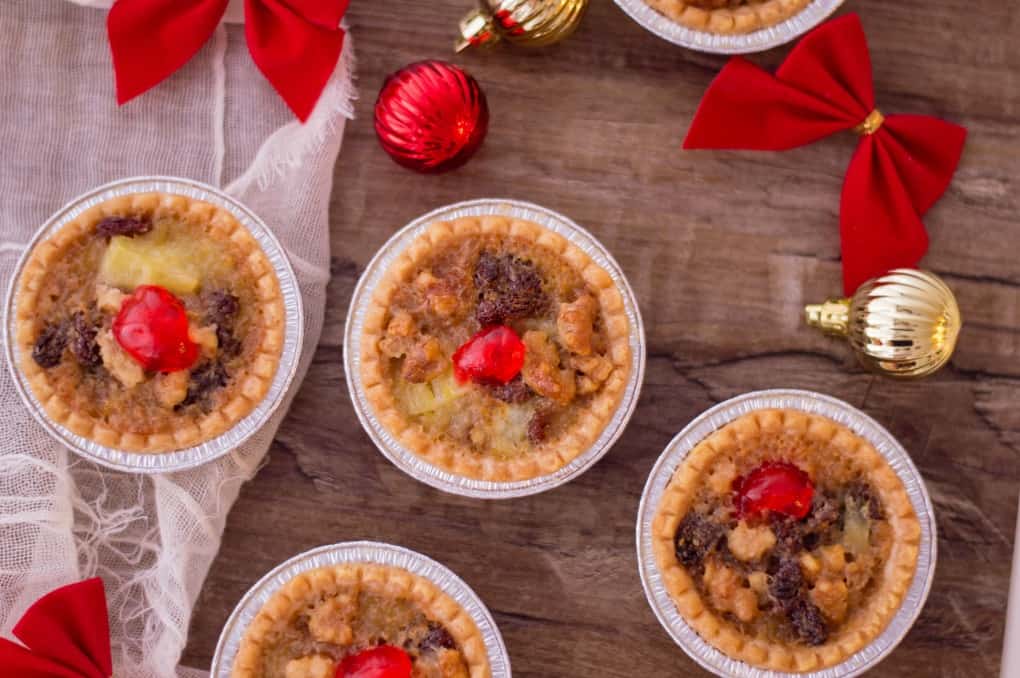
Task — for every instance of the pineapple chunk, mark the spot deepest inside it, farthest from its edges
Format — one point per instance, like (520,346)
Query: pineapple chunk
(433,395)
(419,399)
(168,257)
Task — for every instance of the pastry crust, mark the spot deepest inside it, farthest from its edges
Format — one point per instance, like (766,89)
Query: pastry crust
(868,621)
(729,20)
(543,460)
(294,596)
(253,383)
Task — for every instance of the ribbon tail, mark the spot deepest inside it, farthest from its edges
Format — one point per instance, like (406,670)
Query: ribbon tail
(880,227)
(71,626)
(926,152)
(151,39)
(296,55)
(22,663)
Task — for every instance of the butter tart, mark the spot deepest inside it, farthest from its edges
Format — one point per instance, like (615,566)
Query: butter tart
(361,619)
(149,323)
(495,349)
(786,541)
(725,17)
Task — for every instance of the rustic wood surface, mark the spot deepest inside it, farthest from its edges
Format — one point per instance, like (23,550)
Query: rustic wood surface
(723,249)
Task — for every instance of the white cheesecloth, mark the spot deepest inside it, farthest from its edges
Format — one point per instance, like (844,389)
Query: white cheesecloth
(217,120)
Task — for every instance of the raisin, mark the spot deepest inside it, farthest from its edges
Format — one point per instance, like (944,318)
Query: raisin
(789,533)
(221,307)
(864,497)
(508,289)
(514,391)
(205,379)
(437,637)
(129,226)
(49,347)
(538,427)
(807,622)
(83,341)
(787,582)
(695,537)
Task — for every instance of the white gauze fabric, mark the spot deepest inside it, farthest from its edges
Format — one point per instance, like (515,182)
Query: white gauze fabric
(62,519)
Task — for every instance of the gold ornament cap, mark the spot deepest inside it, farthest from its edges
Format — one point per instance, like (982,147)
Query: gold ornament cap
(902,324)
(530,23)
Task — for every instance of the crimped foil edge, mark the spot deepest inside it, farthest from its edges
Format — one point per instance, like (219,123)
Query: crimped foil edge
(358,552)
(815,403)
(746,43)
(418,467)
(190,457)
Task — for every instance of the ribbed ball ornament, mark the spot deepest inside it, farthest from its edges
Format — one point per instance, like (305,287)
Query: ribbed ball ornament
(902,324)
(530,23)
(431,116)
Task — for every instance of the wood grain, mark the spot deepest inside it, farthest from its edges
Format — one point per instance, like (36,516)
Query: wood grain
(723,250)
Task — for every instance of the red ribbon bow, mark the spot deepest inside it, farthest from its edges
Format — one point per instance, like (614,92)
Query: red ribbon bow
(66,635)
(295,43)
(901,167)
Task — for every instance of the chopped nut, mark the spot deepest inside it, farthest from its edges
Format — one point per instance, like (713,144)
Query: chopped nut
(399,335)
(330,620)
(830,596)
(586,385)
(117,361)
(171,388)
(722,476)
(541,369)
(750,543)
(833,559)
(727,592)
(451,665)
(315,666)
(759,582)
(810,566)
(595,366)
(424,361)
(206,338)
(444,305)
(576,324)
(108,298)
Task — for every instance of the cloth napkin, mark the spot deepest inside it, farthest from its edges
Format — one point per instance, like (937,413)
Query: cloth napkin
(150,538)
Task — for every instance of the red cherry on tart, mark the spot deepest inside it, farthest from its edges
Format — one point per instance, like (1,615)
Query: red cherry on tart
(493,355)
(779,487)
(152,326)
(384,661)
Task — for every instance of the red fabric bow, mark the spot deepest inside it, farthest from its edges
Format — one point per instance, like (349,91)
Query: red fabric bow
(295,43)
(899,170)
(66,635)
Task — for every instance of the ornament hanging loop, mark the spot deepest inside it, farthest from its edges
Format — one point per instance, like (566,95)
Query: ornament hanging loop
(476,30)
(831,317)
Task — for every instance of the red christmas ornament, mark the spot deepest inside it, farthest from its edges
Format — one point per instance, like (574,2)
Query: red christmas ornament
(494,355)
(431,116)
(384,661)
(779,487)
(152,326)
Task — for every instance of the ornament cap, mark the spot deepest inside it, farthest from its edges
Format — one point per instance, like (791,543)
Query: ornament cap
(476,30)
(831,317)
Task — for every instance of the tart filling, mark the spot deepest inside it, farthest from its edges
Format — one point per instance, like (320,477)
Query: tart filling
(495,348)
(786,540)
(728,16)
(361,620)
(149,323)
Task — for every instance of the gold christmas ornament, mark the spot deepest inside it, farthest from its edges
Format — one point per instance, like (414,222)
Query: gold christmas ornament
(902,324)
(531,23)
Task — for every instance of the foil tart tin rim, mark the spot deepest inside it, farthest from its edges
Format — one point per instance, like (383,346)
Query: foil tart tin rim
(745,43)
(359,552)
(178,460)
(860,423)
(430,474)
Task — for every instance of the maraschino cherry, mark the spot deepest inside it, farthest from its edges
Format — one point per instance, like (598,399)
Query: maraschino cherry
(152,326)
(384,661)
(494,355)
(777,486)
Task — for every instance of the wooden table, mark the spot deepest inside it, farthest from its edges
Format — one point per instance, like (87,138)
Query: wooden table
(723,250)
